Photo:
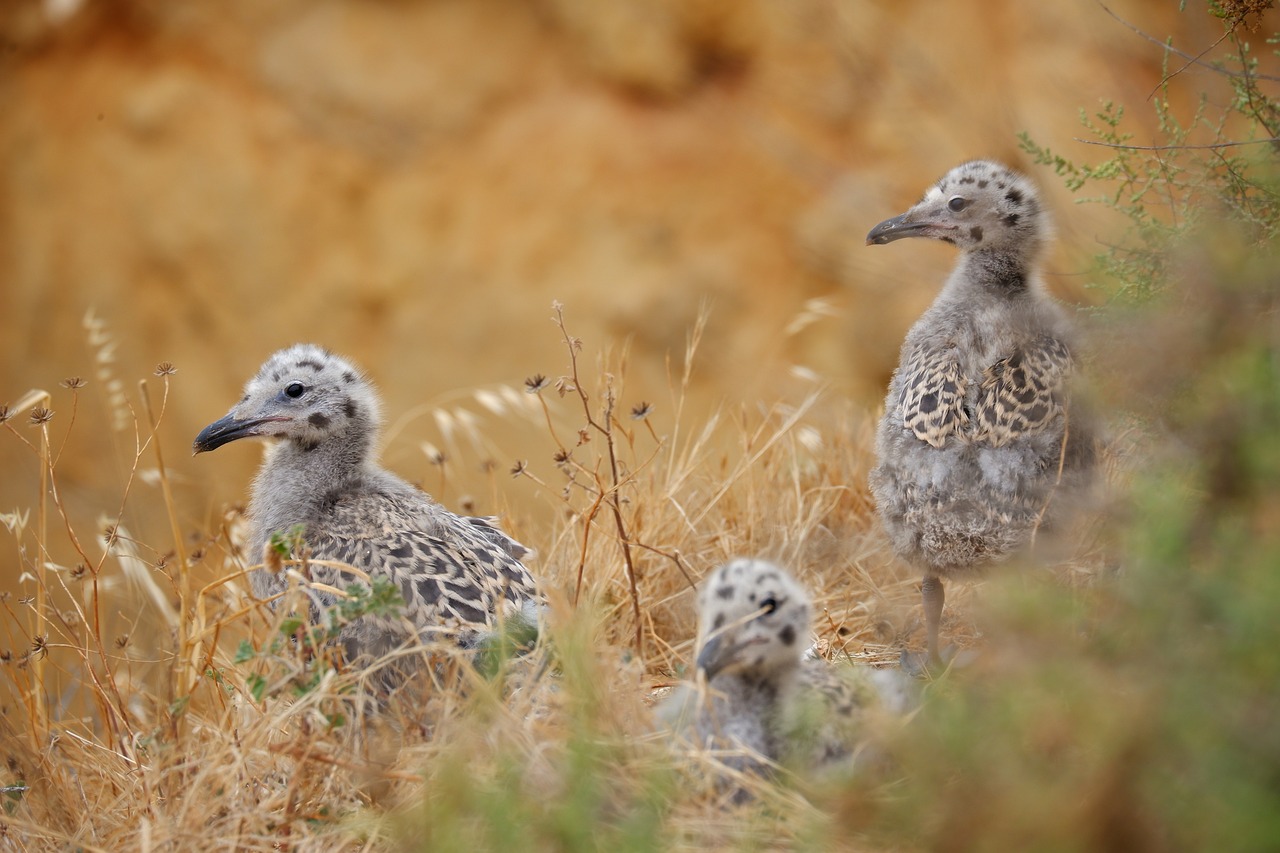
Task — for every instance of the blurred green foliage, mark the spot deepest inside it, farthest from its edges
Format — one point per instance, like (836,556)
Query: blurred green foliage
(1139,711)
(1218,164)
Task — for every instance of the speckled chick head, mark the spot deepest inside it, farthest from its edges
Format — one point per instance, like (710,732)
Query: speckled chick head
(303,394)
(977,205)
(753,619)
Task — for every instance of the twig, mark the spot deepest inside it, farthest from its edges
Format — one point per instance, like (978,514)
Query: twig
(611,494)
(1191,60)
(1211,145)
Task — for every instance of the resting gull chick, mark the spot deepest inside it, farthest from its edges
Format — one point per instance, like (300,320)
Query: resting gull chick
(764,701)
(978,443)
(456,574)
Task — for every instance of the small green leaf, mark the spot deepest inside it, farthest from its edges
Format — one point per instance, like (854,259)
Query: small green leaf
(245,652)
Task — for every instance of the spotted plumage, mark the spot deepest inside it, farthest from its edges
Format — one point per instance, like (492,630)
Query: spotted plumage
(456,574)
(978,434)
(763,702)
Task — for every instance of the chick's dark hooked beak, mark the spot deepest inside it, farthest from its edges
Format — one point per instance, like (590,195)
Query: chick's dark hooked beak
(715,654)
(897,228)
(228,429)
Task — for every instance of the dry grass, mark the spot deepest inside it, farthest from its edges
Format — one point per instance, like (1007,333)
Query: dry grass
(155,705)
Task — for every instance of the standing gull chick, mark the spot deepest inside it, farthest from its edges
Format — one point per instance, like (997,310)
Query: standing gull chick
(456,574)
(977,436)
(764,700)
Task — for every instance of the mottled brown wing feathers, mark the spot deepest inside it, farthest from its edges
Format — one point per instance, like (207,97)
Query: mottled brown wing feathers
(1023,393)
(932,396)
(457,574)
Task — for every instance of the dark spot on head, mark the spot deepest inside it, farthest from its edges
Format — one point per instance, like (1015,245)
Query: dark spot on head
(966,180)
(725,592)
(982,185)
(1011,220)
(348,376)
(1014,196)
(349,408)
(718,621)
(1000,185)
(976,233)
(275,377)
(318,420)
(950,240)
(244,399)
(787,635)
(314,365)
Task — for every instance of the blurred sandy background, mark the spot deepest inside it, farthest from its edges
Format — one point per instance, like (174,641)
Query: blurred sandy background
(413,183)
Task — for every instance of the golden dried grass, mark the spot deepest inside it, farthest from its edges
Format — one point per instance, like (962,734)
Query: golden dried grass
(157,707)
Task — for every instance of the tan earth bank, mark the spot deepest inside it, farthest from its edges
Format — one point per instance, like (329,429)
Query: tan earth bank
(414,183)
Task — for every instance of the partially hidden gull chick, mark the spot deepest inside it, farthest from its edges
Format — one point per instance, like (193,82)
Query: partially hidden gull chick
(762,701)
(456,574)
(979,446)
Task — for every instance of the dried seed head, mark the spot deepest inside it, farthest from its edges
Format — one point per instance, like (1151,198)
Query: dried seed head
(519,468)
(73,382)
(40,415)
(165,368)
(535,383)
(272,558)
(5,414)
(641,411)
(561,457)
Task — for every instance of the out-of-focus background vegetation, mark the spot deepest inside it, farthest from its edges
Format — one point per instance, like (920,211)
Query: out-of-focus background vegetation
(413,183)
(194,184)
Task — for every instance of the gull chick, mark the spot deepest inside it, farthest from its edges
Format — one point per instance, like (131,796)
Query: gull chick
(763,701)
(457,574)
(979,445)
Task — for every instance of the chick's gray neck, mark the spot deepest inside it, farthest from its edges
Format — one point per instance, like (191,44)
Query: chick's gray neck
(296,479)
(996,272)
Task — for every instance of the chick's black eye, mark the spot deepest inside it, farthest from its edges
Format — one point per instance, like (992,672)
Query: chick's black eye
(294,390)
(957,204)
(769,605)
